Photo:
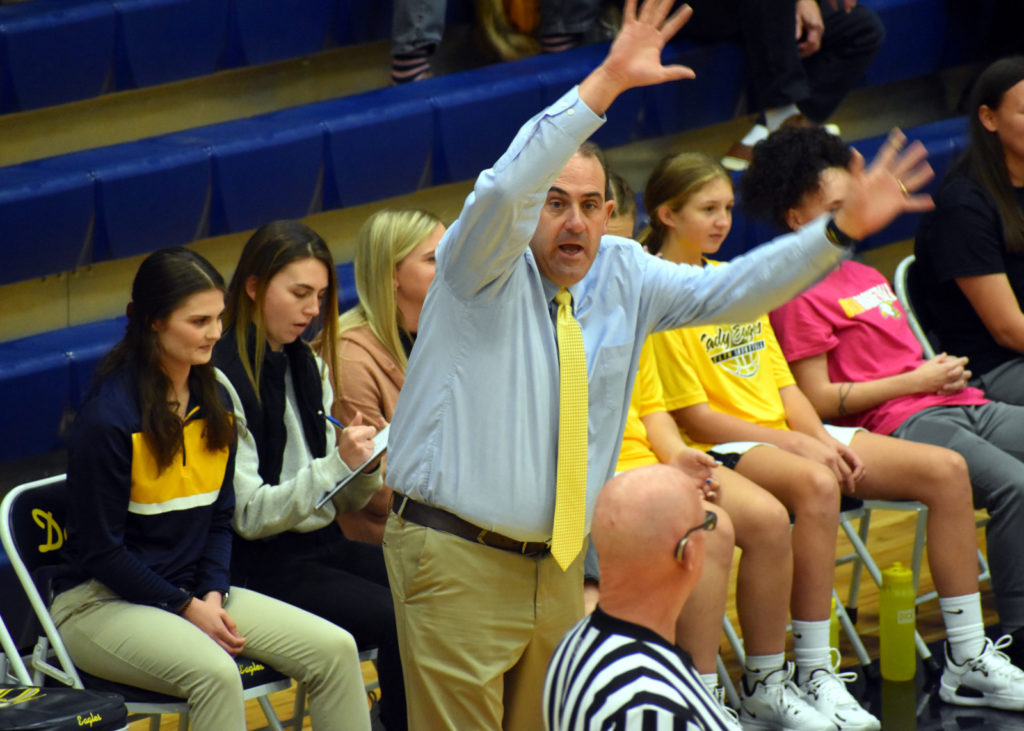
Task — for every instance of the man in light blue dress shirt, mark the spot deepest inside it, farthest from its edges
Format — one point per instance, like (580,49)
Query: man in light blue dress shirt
(479,601)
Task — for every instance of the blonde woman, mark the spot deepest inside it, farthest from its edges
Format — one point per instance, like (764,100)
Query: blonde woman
(394,266)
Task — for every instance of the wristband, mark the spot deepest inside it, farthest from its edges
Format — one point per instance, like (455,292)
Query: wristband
(184,607)
(837,237)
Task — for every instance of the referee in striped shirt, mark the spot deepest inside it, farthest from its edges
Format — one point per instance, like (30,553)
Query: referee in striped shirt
(620,668)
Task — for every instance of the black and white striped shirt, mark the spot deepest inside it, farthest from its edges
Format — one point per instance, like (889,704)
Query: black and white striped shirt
(611,674)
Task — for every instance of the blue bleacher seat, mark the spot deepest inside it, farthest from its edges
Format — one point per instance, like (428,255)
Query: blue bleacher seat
(378,150)
(270,30)
(47,211)
(54,51)
(915,36)
(84,346)
(148,195)
(710,98)
(34,389)
(159,41)
(476,113)
(44,375)
(262,170)
(347,295)
(378,144)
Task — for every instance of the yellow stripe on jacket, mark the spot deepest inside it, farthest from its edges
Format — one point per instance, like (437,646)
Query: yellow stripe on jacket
(192,480)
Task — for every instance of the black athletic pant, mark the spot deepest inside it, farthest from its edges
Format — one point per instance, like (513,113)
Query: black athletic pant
(344,582)
(776,74)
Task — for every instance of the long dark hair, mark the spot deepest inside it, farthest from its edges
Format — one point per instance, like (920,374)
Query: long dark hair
(270,249)
(166,278)
(984,161)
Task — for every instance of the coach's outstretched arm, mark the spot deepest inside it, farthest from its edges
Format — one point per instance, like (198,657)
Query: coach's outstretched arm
(500,216)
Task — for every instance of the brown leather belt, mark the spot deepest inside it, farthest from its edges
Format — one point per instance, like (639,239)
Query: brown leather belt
(442,520)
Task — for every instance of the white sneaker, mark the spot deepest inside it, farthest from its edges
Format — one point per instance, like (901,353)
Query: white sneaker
(825,689)
(989,679)
(775,703)
(732,719)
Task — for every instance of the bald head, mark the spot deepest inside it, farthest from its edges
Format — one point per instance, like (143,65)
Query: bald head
(641,514)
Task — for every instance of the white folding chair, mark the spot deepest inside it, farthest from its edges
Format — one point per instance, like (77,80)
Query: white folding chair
(62,707)
(901,283)
(32,520)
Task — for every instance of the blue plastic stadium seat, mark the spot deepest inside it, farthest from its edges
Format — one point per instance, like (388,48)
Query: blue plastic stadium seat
(477,112)
(54,51)
(377,144)
(710,98)
(162,40)
(379,150)
(34,388)
(84,346)
(347,295)
(45,221)
(915,37)
(41,376)
(261,31)
(148,195)
(262,170)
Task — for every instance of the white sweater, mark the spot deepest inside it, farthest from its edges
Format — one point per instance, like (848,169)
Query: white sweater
(263,510)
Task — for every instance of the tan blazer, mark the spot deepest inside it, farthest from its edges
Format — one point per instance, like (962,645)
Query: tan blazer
(367,379)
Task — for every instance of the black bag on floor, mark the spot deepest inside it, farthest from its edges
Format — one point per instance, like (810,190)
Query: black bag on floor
(27,708)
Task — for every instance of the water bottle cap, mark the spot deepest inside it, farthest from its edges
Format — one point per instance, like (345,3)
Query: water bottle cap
(898,572)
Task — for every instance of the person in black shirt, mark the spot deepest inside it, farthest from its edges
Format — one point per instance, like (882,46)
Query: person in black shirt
(968,280)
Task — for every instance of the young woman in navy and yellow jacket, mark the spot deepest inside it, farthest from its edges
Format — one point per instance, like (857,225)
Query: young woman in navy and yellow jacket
(145,598)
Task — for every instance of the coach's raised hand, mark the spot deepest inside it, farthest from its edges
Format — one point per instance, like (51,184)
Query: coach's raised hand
(634,58)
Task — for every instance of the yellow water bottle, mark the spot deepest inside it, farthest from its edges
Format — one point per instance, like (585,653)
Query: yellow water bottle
(896,617)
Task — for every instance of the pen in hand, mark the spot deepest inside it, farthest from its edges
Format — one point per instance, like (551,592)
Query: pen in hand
(334,421)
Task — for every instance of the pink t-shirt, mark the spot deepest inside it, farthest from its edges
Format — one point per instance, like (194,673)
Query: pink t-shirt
(854,316)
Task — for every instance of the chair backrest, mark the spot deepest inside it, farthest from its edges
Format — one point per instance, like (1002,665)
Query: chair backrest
(902,282)
(33,519)
(32,530)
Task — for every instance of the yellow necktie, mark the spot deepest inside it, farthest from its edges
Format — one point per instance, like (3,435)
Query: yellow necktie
(571,480)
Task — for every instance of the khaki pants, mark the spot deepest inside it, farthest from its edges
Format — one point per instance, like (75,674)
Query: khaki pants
(151,648)
(476,626)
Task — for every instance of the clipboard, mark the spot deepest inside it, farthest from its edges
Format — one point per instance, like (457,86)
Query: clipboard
(380,445)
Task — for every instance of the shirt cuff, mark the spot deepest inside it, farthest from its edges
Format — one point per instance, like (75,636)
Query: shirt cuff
(574,116)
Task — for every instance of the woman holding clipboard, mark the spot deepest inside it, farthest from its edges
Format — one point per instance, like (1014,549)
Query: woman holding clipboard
(394,266)
(290,456)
